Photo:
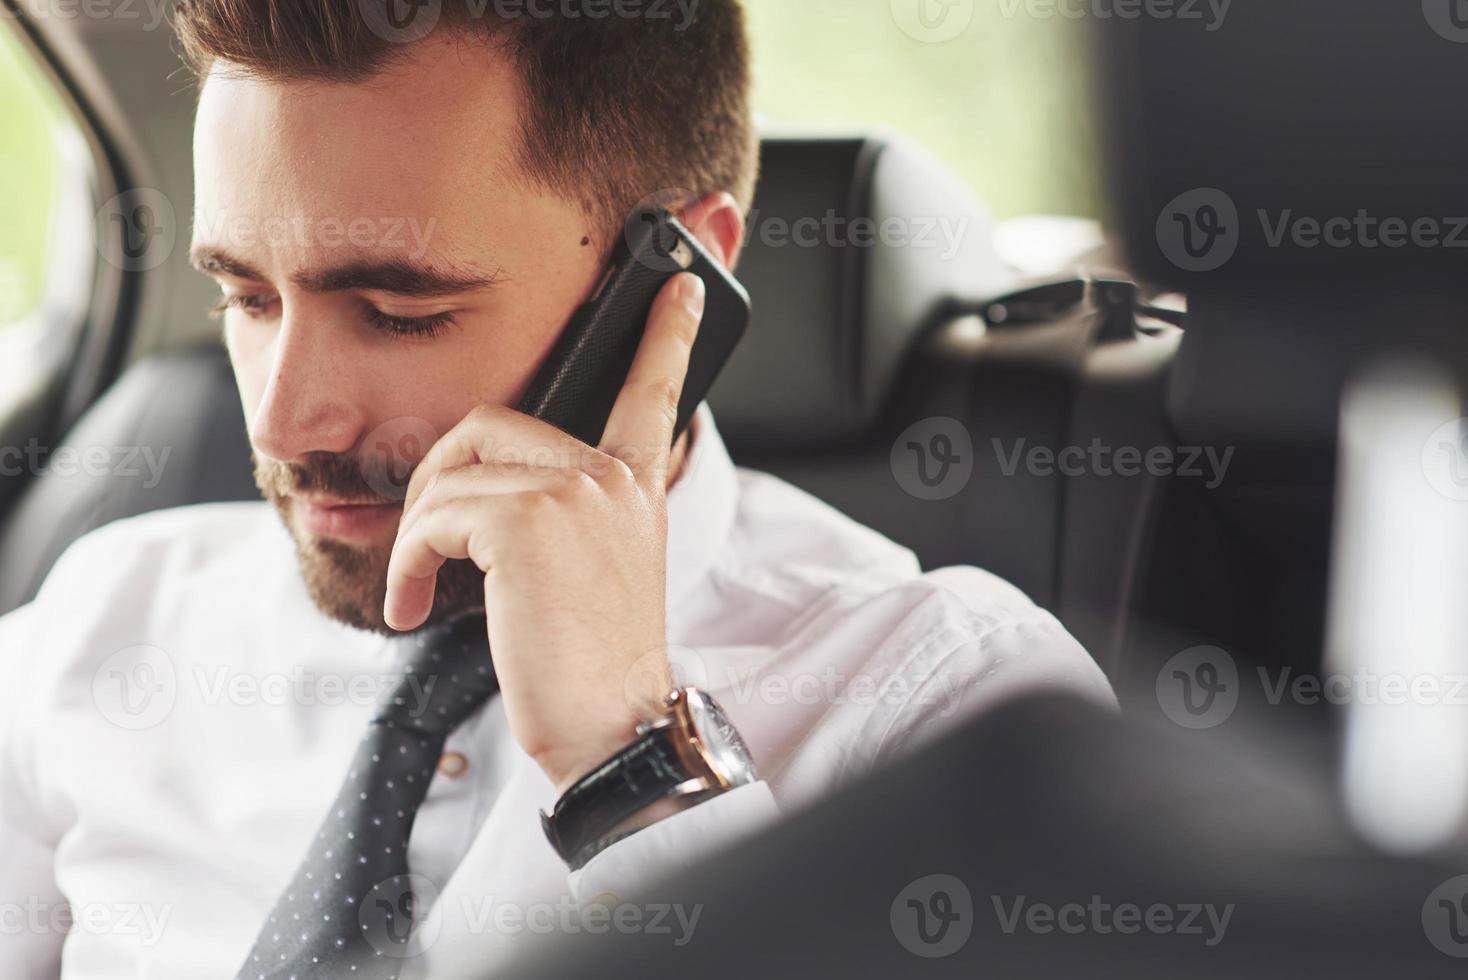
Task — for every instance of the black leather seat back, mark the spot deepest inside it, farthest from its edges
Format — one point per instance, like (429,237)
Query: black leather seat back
(174,434)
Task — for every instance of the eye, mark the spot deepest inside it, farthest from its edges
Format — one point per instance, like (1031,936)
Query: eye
(417,326)
(253,304)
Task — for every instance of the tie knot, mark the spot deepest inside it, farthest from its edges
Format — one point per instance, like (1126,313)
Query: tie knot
(447,673)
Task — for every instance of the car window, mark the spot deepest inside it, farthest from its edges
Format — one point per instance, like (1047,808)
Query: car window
(28,172)
(996,90)
(47,252)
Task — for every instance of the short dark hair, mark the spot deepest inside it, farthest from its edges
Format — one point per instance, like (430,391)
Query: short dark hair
(622,105)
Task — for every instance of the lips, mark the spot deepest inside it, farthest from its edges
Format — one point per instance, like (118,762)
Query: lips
(338,518)
(323,501)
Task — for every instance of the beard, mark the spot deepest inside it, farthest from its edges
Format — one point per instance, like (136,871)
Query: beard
(348,581)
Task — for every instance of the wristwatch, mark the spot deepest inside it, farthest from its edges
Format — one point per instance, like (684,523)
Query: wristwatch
(690,754)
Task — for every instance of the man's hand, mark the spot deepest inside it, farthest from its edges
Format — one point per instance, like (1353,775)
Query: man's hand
(573,545)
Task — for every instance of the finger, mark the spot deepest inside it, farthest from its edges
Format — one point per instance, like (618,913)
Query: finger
(494,434)
(412,571)
(479,480)
(458,517)
(640,429)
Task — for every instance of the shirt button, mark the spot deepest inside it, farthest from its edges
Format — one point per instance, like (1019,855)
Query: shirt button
(453,764)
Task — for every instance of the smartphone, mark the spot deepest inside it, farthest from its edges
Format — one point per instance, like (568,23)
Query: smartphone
(578,384)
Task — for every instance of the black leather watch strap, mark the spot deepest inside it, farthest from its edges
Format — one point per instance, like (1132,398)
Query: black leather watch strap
(625,784)
(596,847)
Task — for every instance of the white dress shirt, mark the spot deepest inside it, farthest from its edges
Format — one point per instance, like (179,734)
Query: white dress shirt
(176,715)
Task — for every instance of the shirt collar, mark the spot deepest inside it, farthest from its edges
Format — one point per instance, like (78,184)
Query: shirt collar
(701,506)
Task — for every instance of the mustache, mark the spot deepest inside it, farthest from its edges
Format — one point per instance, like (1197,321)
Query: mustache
(374,479)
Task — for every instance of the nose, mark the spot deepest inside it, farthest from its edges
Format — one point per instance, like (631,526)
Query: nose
(310,401)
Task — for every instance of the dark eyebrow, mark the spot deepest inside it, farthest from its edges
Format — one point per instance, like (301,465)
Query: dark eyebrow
(216,261)
(401,277)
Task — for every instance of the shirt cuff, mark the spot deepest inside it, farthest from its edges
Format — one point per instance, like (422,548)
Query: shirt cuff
(674,842)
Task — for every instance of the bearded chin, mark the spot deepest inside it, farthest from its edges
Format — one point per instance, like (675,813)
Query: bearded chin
(348,583)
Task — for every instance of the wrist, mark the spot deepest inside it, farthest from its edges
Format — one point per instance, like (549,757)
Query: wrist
(568,763)
(682,758)
(566,767)
(605,725)
(598,736)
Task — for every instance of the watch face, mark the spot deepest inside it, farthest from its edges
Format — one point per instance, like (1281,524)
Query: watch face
(724,747)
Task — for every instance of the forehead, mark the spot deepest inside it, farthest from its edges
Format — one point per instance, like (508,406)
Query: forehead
(432,138)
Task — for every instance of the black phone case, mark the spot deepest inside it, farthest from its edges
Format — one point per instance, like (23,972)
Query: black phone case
(578,384)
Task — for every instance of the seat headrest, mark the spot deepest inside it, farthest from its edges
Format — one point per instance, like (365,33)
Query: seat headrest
(1297,141)
(853,248)
(1267,370)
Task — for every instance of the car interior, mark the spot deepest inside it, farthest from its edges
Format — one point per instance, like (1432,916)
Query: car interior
(1042,332)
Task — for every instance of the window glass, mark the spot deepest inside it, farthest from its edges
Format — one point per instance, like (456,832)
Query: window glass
(29,168)
(996,89)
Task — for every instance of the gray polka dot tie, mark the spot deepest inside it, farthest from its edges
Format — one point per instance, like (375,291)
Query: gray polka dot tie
(349,909)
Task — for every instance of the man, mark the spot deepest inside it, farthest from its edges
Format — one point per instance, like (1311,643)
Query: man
(191,687)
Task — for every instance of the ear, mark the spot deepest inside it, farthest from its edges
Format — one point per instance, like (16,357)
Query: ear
(718,224)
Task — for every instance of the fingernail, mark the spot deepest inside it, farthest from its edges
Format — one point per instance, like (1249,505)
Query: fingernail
(691,292)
